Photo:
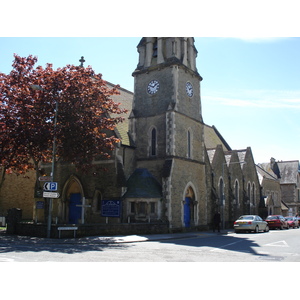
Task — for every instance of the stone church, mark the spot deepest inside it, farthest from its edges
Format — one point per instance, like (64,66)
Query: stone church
(170,172)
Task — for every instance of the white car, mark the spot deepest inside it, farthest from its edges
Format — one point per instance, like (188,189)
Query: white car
(250,223)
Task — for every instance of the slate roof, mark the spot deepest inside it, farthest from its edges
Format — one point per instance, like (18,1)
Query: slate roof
(264,174)
(267,167)
(142,184)
(288,171)
(126,99)
(212,138)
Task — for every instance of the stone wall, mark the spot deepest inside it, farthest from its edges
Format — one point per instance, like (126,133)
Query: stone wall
(18,192)
(40,230)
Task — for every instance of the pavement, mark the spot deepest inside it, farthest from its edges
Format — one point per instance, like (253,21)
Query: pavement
(112,239)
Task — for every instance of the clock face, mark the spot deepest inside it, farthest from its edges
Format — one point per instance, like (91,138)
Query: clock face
(153,87)
(189,89)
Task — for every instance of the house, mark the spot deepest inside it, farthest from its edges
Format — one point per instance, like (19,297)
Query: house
(271,192)
(290,185)
(287,172)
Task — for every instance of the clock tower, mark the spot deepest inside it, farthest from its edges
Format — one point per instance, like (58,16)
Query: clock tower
(167,127)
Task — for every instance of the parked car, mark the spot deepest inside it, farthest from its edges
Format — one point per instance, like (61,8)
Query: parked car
(250,223)
(293,222)
(277,221)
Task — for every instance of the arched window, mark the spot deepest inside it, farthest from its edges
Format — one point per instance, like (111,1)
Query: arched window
(153,142)
(249,191)
(253,193)
(97,201)
(236,191)
(221,192)
(189,144)
(155,48)
(249,194)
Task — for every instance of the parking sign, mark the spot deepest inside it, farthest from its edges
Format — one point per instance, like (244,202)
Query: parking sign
(50,186)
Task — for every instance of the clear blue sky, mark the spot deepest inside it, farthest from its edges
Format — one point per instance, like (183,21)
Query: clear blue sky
(250,89)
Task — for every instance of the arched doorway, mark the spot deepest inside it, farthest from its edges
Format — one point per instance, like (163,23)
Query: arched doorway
(189,204)
(72,199)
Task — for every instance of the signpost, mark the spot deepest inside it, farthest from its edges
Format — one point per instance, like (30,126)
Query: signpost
(111,208)
(51,195)
(45,178)
(40,205)
(50,186)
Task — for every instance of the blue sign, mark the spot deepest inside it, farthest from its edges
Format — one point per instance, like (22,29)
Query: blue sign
(50,186)
(40,205)
(111,208)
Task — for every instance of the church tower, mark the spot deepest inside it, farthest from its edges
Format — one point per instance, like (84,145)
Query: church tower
(167,127)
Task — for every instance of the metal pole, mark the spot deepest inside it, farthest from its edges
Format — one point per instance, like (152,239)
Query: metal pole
(52,171)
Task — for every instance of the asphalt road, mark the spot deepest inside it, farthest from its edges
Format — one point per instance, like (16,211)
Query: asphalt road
(274,246)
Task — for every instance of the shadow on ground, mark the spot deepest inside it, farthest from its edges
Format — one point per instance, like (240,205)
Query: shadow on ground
(234,242)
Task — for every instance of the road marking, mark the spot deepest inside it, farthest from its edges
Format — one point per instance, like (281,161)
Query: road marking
(278,244)
(221,248)
(3,259)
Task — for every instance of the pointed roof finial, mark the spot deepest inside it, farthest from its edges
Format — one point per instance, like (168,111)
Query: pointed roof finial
(81,61)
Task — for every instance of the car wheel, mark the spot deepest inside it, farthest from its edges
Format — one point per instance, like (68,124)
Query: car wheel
(256,229)
(288,227)
(267,229)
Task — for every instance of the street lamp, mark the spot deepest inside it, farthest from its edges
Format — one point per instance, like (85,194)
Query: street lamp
(37,87)
(223,189)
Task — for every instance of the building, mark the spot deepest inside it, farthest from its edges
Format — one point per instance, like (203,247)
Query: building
(170,172)
(287,173)
(271,192)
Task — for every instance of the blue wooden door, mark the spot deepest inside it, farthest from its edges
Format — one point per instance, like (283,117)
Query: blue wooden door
(74,210)
(187,212)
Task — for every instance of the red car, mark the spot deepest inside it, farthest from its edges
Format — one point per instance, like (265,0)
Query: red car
(293,222)
(277,221)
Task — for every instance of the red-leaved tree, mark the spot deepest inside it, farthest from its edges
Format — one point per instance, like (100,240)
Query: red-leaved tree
(30,101)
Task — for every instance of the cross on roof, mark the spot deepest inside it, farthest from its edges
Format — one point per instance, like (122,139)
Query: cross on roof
(81,61)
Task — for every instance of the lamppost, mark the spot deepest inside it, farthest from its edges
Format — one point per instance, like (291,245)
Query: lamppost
(223,189)
(37,87)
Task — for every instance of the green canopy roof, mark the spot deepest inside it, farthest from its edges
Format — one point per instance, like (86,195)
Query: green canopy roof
(142,184)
